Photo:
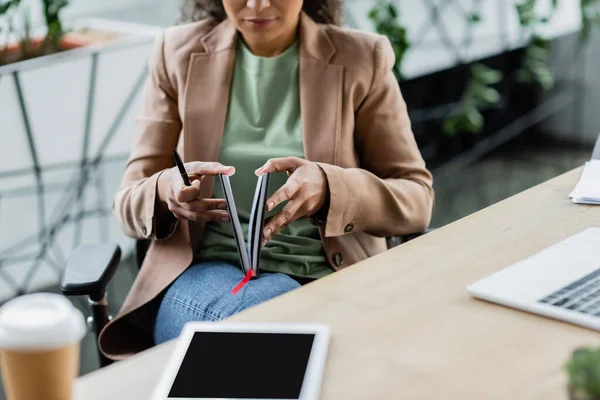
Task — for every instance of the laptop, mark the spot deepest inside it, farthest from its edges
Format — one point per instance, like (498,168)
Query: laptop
(561,282)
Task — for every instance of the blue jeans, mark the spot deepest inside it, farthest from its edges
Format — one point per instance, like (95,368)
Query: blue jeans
(203,293)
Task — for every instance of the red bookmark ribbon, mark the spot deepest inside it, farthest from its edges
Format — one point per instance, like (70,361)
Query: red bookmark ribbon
(243,282)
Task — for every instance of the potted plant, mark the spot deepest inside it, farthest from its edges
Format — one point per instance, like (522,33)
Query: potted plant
(20,45)
(24,42)
(583,369)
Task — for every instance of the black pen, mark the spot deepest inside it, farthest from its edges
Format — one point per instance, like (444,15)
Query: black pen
(181,168)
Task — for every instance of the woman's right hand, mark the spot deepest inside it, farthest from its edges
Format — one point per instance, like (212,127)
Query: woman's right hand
(184,202)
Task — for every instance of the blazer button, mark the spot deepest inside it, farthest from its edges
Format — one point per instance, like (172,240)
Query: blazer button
(348,228)
(337,259)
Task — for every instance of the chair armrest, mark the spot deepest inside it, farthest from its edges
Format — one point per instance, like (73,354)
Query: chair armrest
(89,269)
(411,236)
(394,241)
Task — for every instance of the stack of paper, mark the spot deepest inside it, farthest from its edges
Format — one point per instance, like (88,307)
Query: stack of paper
(587,190)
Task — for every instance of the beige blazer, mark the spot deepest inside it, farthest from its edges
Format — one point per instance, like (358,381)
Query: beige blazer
(354,124)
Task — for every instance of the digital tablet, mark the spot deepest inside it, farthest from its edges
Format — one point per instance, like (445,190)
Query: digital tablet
(218,360)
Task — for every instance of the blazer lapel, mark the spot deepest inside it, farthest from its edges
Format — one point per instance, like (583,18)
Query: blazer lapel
(207,96)
(205,106)
(320,94)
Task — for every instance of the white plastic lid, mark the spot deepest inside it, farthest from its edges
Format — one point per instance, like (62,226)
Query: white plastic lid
(40,321)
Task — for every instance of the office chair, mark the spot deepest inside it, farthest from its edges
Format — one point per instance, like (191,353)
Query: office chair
(91,267)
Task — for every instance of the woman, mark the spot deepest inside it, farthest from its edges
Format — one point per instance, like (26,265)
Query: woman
(256,86)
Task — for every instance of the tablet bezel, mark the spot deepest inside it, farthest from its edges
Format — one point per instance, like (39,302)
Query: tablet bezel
(311,384)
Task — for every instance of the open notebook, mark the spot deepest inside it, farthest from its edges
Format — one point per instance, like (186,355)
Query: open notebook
(249,251)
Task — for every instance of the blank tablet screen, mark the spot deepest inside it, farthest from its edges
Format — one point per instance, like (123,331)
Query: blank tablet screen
(243,365)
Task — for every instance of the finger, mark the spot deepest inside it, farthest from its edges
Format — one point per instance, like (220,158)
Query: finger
(181,213)
(286,192)
(208,168)
(176,192)
(187,193)
(214,215)
(171,194)
(205,205)
(196,179)
(287,216)
(289,164)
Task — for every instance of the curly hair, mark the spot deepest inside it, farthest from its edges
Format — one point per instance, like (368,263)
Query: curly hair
(321,11)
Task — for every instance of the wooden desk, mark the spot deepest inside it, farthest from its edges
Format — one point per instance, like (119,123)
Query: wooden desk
(403,326)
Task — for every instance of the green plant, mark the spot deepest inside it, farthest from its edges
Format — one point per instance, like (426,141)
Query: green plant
(536,68)
(9,9)
(52,10)
(536,59)
(479,93)
(7,5)
(590,16)
(385,17)
(583,369)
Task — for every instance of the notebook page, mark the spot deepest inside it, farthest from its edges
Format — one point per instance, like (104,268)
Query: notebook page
(238,232)
(252,225)
(257,217)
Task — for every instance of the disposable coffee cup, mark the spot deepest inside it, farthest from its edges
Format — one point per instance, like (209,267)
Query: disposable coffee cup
(40,335)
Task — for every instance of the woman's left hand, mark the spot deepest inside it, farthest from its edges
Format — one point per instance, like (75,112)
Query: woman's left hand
(306,190)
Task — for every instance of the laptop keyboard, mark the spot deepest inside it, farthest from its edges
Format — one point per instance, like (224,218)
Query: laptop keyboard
(582,296)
